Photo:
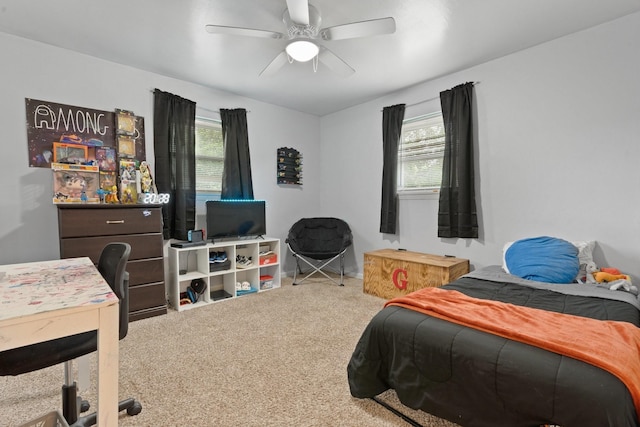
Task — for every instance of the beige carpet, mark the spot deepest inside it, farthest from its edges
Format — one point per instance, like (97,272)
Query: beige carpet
(276,358)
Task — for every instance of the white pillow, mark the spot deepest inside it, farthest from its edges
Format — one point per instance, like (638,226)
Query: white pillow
(585,255)
(585,250)
(504,261)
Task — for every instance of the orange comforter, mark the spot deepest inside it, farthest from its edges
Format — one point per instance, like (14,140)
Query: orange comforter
(609,345)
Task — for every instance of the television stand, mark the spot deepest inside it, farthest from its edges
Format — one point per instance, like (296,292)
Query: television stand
(215,264)
(236,239)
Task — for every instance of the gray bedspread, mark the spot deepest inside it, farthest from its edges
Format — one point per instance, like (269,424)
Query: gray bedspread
(495,273)
(478,379)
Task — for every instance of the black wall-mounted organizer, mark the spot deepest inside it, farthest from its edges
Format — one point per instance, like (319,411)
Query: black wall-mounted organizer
(289,166)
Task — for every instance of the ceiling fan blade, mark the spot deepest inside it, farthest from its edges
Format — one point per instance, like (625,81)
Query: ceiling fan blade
(335,63)
(373,27)
(299,11)
(239,31)
(277,63)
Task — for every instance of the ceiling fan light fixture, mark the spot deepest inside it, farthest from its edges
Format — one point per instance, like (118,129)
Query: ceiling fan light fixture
(302,50)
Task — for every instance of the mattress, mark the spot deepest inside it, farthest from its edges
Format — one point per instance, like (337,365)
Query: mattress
(475,378)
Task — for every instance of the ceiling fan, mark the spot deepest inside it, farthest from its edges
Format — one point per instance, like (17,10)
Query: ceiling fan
(303,32)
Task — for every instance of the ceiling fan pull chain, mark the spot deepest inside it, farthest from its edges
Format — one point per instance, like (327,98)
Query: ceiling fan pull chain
(315,63)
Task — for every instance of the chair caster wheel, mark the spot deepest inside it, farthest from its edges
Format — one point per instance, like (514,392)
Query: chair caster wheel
(294,284)
(135,409)
(84,406)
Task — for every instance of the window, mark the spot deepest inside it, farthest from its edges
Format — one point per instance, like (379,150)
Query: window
(209,155)
(420,154)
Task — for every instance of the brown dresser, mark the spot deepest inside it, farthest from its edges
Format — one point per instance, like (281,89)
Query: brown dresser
(85,229)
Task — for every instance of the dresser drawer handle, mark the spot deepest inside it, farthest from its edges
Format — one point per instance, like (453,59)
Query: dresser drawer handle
(120,221)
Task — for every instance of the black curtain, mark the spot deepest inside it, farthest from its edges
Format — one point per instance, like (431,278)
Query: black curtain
(457,210)
(236,174)
(174,131)
(392,118)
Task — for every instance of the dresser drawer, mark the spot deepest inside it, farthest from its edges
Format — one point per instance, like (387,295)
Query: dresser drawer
(145,271)
(142,246)
(108,222)
(147,312)
(146,296)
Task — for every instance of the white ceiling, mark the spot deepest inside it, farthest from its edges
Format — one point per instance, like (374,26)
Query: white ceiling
(432,38)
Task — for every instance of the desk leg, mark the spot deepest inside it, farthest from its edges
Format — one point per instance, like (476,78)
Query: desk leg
(108,366)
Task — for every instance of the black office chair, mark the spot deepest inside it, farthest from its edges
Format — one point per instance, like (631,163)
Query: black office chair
(318,242)
(112,266)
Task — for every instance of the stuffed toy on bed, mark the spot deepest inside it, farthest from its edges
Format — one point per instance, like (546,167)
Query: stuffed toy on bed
(611,276)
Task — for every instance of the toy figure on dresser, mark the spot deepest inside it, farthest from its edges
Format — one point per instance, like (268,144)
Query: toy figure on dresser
(128,181)
(112,196)
(73,184)
(101,192)
(146,181)
(83,194)
(127,196)
(106,159)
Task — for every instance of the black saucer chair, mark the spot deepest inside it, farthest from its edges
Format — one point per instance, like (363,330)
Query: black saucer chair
(112,266)
(318,242)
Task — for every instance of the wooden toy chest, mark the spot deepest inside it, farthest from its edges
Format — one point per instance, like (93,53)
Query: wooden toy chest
(389,273)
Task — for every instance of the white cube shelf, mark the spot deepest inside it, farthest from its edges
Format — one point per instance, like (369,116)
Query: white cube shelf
(192,263)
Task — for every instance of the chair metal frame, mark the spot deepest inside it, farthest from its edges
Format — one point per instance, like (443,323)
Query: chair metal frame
(320,262)
(318,266)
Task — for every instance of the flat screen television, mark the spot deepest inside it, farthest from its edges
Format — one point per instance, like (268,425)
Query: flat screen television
(235,219)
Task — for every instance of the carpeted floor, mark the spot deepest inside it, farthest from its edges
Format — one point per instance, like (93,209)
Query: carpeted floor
(276,358)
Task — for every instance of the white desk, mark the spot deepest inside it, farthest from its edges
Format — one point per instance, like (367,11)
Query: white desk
(40,301)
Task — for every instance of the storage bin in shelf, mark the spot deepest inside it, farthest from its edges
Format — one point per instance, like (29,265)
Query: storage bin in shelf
(246,292)
(266,282)
(207,263)
(272,271)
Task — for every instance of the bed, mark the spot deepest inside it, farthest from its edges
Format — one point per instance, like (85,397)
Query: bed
(475,376)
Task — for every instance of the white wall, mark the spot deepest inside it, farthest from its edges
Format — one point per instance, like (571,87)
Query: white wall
(28,225)
(557,148)
(558,153)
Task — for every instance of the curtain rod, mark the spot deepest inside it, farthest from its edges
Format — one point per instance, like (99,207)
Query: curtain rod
(430,99)
(216,111)
(422,102)
(206,109)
